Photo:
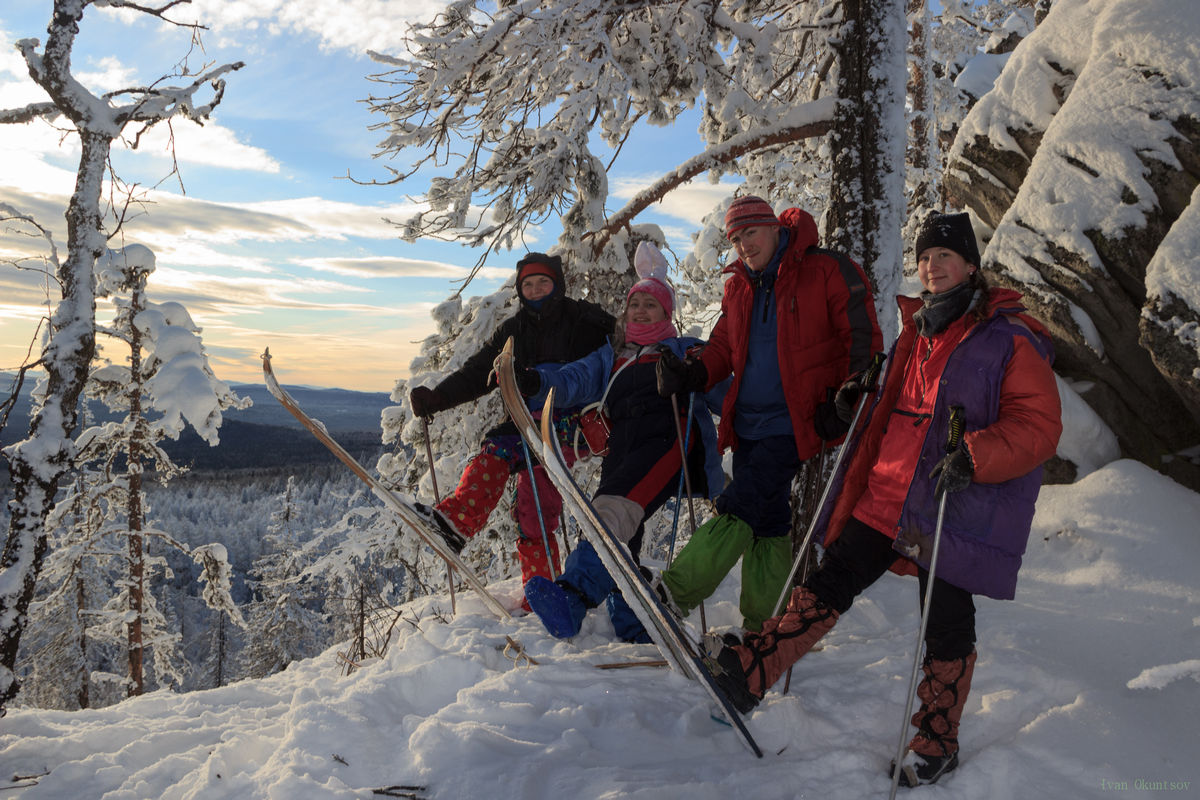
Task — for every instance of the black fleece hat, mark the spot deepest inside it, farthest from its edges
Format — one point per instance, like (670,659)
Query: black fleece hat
(952,231)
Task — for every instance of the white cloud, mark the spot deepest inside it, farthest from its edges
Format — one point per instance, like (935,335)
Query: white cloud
(689,202)
(355,25)
(108,74)
(335,219)
(388,267)
(210,145)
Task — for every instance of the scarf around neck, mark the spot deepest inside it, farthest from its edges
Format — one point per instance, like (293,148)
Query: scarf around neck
(643,333)
(942,309)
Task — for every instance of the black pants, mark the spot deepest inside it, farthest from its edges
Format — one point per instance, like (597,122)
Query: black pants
(860,556)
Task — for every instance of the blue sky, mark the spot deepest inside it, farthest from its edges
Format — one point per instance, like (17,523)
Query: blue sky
(271,245)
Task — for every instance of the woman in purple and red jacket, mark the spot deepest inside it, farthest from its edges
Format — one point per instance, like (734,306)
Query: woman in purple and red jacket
(962,344)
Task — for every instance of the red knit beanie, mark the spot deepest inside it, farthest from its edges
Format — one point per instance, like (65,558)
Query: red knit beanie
(747,211)
(535,268)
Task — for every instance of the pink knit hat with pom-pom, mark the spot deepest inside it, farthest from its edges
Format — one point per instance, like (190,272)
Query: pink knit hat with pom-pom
(651,267)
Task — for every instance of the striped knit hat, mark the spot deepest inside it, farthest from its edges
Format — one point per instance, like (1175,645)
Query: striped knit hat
(746,211)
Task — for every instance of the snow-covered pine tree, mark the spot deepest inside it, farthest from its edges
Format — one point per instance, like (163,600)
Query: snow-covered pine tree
(216,580)
(167,375)
(284,624)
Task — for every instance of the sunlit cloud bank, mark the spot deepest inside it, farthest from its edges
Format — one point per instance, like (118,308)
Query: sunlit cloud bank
(388,267)
(355,25)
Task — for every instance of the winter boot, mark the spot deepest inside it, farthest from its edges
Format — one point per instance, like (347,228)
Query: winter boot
(625,623)
(665,597)
(943,693)
(559,606)
(765,656)
(438,522)
(916,769)
(584,584)
(479,490)
(727,672)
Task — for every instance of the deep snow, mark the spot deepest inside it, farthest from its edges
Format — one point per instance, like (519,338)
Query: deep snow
(1107,600)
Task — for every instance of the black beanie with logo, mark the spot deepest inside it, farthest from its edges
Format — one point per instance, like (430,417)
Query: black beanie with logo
(952,231)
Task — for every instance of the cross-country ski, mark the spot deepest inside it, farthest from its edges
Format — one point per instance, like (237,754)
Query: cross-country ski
(410,518)
(663,628)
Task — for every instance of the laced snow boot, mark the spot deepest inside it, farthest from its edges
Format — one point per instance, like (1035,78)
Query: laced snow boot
(784,639)
(559,606)
(442,526)
(943,693)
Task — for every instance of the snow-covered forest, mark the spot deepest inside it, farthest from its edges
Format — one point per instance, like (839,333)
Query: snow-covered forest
(315,642)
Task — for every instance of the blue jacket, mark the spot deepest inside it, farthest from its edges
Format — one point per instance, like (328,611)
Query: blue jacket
(581,382)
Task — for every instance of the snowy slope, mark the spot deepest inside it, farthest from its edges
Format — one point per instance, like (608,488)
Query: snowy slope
(1108,594)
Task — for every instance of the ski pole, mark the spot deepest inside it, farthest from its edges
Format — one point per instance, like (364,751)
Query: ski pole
(537,502)
(802,556)
(952,442)
(679,492)
(437,498)
(869,377)
(687,481)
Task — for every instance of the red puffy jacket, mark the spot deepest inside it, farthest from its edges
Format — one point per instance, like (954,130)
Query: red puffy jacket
(827,329)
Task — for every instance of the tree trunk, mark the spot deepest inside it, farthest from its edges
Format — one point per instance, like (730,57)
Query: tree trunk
(83,693)
(38,464)
(134,511)
(867,184)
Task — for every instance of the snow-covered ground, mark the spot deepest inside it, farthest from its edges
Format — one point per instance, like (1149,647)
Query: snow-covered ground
(1086,687)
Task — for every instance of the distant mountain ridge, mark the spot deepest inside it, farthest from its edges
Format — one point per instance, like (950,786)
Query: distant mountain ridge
(263,435)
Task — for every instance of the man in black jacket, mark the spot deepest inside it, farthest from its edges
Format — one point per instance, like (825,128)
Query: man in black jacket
(549,328)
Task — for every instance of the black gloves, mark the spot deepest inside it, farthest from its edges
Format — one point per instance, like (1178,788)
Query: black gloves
(954,472)
(679,377)
(426,402)
(827,422)
(529,382)
(846,399)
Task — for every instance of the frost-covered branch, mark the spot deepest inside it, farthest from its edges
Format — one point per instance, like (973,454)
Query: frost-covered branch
(813,119)
(508,104)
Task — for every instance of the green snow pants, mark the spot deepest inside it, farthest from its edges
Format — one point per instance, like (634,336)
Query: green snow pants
(711,553)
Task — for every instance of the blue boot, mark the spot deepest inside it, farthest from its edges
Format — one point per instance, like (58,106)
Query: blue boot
(561,609)
(626,624)
(561,605)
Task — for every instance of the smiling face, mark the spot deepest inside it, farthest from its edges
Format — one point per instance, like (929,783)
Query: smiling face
(941,269)
(535,287)
(756,245)
(643,309)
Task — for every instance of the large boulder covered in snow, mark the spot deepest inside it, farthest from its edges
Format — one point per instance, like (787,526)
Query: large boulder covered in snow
(1083,160)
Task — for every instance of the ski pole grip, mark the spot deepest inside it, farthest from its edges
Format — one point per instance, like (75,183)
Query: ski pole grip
(871,375)
(957,422)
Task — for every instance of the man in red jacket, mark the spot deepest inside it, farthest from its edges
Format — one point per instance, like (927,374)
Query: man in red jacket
(796,321)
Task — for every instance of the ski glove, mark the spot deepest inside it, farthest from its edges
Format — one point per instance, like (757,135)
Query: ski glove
(529,382)
(677,376)
(827,421)
(954,472)
(426,402)
(846,399)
